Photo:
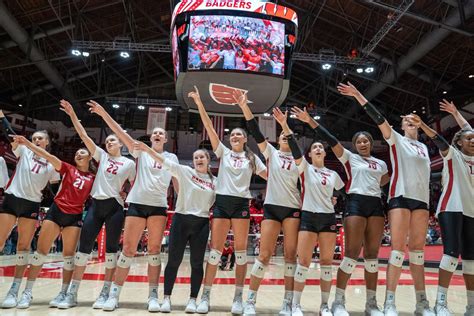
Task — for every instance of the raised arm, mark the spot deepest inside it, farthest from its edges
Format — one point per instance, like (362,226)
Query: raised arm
(350,90)
(304,116)
(439,140)
(282,120)
(81,131)
(206,121)
(449,107)
(55,161)
(141,146)
(7,129)
(98,109)
(252,124)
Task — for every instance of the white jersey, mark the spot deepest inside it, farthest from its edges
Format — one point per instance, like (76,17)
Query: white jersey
(318,185)
(458,183)
(235,172)
(411,168)
(3,173)
(196,190)
(111,175)
(31,175)
(152,181)
(282,179)
(363,173)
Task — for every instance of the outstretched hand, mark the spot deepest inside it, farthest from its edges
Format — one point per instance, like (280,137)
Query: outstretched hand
(19,139)
(96,108)
(279,116)
(66,107)
(195,95)
(140,146)
(300,114)
(413,119)
(240,97)
(347,89)
(1,114)
(447,106)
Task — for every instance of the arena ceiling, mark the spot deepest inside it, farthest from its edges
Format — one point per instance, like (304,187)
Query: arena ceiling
(426,56)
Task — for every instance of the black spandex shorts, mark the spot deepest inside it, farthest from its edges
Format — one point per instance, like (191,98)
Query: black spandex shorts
(231,207)
(19,207)
(403,202)
(318,222)
(457,234)
(63,219)
(145,211)
(280,213)
(363,205)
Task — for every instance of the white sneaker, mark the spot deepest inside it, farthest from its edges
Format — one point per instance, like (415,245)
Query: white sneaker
(203,307)
(442,310)
(153,304)
(69,301)
(469,310)
(372,309)
(10,300)
(166,305)
(285,308)
(249,309)
(100,301)
(237,306)
(324,310)
(423,309)
(111,303)
(296,310)
(58,299)
(390,310)
(191,307)
(338,309)
(25,299)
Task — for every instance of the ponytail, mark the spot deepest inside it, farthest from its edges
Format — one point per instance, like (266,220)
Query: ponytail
(251,157)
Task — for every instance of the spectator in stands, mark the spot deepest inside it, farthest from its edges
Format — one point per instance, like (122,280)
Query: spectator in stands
(228,257)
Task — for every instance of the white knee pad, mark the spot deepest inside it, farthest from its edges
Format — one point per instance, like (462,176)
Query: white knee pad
(290,269)
(38,259)
(301,273)
(68,264)
(214,257)
(110,260)
(396,258)
(258,269)
(448,263)
(154,260)
(371,265)
(124,261)
(80,259)
(348,265)
(326,273)
(417,257)
(241,257)
(22,258)
(468,267)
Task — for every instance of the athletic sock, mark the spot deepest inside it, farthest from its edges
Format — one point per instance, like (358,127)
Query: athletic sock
(16,285)
(64,287)
(288,296)
(390,298)
(206,292)
(340,295)
(106,287)
(238,291)
(153,290)
(442,295)
(296,297)
(115,290)
(252,296)
(420,296)
(470,298)
(29,284)
(324,297)
(74,286)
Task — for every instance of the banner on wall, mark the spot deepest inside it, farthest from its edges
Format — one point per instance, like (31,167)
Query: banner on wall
(156,118)
(267,125)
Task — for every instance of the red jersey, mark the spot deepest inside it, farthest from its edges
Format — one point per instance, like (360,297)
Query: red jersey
(227,251)
(75,188)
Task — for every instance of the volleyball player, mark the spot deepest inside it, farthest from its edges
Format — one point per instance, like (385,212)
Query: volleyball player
(147,208)
(232,207)
(190,220)
(3,174)
(318,220)
(281,210)
(64,217)
(408,202)
(107,207)
(22,200)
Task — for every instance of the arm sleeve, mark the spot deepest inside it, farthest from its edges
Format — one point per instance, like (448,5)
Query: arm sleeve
(6,127)
(254,130)
(440,142)
(326,135)
(374,113)
(295,149)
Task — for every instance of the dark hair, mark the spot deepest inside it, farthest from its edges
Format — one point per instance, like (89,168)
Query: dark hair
(457,137)
(248,152)
(363,133)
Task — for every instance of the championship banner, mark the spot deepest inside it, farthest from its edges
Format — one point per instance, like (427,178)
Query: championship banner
(267,125)
(156,118)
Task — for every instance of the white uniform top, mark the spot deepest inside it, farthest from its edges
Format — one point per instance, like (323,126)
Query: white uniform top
(363,174)
(196,190)
(235,172)
(458,183)
(3,173)
(411,168)
(31,175)
(152,182)
(111,175)
(318,185)
(282,179)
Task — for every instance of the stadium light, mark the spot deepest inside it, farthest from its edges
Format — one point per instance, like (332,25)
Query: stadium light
(226,130)
(75,52)
(85,54)
(359,70)
(141,107)
(317,117)
(326,66)
(445,92)
(471,76)
(124,54)
(115,106)
(168,109)
(266,114)
(369,70)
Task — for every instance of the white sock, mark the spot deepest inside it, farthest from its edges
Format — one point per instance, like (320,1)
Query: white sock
(420,296)
(206,292)
(239,289)
(340,295)
(370,295)
(153,290)
(442,295)
(74,286)
(390,297)
(29,284)
(115,290)
(296,297)
(324,297)
(470,298)
(16,285)
(288,295)
(64,287)
(252,296)
(106,287)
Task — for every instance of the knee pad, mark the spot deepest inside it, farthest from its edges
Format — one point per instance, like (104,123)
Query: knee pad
(22,258)
(326,273)
(214,257)
(241,257)
(417,257)
(110,260)
(396,258)
(448,263)
(38,259)
(468,267)
(348,265)
(124,261)
(80,259)
(68,264)
(154,260)
(290,269)
(371,265)
(258,269)
(301,273)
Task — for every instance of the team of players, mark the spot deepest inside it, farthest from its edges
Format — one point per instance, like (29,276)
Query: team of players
(306,219)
